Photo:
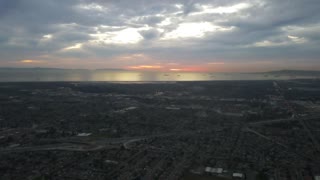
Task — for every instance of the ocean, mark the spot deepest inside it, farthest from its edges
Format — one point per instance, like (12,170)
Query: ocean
(39,74)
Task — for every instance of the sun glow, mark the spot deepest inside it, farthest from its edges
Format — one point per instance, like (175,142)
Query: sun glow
(145,67)
(189,69)
(194,30)
(175,69)
(125,36)
(206,9)
(28,61)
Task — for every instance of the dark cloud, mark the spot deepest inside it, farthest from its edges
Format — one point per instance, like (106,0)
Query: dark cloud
(7,7)
(150,34)
(150,20)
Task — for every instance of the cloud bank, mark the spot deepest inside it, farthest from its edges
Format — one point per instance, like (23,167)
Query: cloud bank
(216,35)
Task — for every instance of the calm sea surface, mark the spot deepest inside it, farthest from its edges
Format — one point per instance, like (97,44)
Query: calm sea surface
(22,75)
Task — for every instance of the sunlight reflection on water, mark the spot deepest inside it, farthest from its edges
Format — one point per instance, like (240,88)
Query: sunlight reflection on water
(120,76)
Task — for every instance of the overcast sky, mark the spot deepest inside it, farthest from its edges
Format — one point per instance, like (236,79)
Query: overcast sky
(211,35)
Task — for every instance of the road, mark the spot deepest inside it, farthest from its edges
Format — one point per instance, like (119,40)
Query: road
(282,120)
(87,144)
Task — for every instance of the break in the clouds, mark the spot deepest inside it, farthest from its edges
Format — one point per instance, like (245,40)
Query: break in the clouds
(217,35)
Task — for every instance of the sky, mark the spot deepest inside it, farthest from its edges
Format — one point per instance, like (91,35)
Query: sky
(166,35)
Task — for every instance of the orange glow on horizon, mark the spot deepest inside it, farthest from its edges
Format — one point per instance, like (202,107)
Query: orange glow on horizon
(145,67)
(169,68)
